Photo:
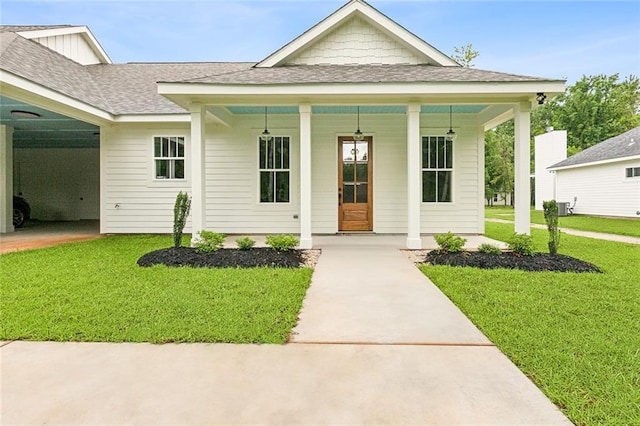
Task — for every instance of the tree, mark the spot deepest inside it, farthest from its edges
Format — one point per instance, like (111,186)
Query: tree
(594,109)
(499,143)
(464,55)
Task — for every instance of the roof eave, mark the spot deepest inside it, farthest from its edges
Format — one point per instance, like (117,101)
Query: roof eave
(594,163)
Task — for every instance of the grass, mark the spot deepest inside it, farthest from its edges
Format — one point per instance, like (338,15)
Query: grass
(577,336)
(94,291)
(609,225)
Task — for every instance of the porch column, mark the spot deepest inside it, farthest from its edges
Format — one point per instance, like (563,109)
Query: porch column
(6,179)
(198,197)
(305,176)
(413,176)
(522,168)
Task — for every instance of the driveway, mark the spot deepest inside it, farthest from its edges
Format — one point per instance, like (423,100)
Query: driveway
(36,234)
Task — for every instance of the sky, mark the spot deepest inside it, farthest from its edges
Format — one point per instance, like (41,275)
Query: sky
(555,39)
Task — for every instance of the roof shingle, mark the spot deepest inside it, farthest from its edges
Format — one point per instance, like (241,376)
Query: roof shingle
(621,146)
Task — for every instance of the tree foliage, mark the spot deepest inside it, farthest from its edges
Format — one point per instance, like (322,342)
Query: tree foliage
(498,149)
(465,55)
(592,110)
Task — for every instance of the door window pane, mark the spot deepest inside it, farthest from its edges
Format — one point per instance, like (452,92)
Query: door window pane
(348,193)
(362,193)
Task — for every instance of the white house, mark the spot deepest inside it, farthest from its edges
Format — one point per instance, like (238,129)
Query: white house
(604,179)
(197,127)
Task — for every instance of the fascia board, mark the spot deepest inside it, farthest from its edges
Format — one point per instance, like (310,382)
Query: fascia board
(82,30)
(153,118)
(27,91)
(595,163)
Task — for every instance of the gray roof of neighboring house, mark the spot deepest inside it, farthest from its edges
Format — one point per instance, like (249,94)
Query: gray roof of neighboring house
(305,74)
(19,28)
(132,89)
(621,146)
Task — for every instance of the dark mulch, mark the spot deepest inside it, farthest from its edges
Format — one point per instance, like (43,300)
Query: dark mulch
(223,258)
(537,262)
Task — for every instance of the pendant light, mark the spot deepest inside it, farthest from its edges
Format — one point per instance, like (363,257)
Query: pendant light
(451,135)
(266,135)
(358,135)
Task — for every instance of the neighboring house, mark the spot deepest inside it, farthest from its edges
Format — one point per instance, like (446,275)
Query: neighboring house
(197,127)
(604,179)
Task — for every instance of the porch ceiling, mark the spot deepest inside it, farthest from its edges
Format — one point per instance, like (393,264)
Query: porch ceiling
(365,109)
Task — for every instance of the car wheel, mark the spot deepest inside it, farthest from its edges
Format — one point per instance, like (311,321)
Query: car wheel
(19,218)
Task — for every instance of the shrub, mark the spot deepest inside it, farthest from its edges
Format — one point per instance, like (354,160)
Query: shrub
(489,249)
(450,243)
(245,243)
(282,242)
(551,217)
(180,213)
(521,244)
(209,241)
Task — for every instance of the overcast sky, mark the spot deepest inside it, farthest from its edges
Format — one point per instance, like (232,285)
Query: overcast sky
(555,39)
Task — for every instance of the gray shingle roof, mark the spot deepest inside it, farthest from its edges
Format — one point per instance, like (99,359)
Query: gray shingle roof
(621,146)
(19,28)
(310,74)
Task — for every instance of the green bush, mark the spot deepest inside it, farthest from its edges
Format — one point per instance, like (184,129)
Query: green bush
(521,244)
(282,242)
(551,217)
(180,213)
(245,243)
(450,243)
(209,241)
(489,249)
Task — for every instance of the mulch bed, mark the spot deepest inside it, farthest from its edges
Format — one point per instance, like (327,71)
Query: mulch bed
(224,258)
(536,263)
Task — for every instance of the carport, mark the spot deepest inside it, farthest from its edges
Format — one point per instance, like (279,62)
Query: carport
(52,161)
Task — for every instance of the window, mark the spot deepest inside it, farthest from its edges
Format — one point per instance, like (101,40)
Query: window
(274,170)
(633,172)
(437,169)
(169,157)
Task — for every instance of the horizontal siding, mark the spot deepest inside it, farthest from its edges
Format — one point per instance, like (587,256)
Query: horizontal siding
(601,190)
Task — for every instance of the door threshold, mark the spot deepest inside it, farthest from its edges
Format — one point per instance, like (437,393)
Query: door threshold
(355,233)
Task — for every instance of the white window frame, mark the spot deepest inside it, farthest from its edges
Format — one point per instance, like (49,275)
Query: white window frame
(275,170)
(437,169)
(632,172)
(171,159)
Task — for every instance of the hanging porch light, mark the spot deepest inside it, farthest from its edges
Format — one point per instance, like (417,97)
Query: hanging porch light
(265,136)
(451,135)
(358,135)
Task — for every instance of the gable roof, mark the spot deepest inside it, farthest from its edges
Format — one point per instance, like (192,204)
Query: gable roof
(624,146)
(371,16)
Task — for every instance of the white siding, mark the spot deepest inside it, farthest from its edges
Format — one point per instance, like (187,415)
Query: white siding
(232,198)
(133,201)
(601,189)
(461,215)
(550,148)
(356,42)
(60,183)
(73,46)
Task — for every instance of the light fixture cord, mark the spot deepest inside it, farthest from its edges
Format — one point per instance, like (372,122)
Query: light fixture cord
(265,118)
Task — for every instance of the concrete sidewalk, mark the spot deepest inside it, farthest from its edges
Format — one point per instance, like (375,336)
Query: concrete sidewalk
(416,360)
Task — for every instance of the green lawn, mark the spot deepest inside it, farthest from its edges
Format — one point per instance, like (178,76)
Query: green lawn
(577,336)
(94,291)
(621,226)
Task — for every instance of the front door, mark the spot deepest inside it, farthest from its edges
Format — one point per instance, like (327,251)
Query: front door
(355,189)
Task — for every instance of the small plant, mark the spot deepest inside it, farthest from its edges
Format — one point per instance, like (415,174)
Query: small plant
(521,244)
(180,213)
(282,242)
(245,243)
(209,241)
(489,249)
(551,217)
(450,243)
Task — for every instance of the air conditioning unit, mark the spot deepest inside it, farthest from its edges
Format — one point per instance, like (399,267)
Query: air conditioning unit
(563,209)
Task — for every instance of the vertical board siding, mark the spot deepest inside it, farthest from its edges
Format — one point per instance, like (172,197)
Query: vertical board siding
(356,42)
(602,190)
(73,46)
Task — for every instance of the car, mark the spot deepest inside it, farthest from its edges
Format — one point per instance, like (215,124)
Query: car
(21,211)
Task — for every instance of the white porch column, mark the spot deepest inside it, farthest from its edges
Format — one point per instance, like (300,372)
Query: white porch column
(6,179)
(198,197)
(305,176)
(522,168)
(413,176)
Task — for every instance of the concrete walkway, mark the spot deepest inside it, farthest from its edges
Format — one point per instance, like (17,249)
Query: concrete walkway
(382,345)
(587,234)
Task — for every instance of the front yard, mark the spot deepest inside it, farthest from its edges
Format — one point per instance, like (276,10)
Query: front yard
(577,336)
(94,291)
(609,225)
